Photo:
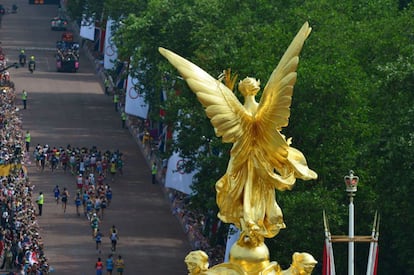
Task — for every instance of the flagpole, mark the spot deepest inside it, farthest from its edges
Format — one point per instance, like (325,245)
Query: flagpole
(329,262)
(326,257)
(371,246)
(351,256)
(375,254)
(351,183)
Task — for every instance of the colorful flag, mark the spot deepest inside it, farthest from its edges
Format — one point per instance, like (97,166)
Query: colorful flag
(376,249)
(372,266)
(325,263)
(328,267)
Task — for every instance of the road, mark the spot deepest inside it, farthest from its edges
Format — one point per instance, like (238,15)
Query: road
(71,108)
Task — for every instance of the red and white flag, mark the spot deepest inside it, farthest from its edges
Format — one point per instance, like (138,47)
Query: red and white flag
(328,267)
(372,266)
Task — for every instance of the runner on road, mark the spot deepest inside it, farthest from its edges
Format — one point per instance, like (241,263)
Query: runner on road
(79,182)
(109,265)
(65,197)
(98,241)
(99,267)
(97,205)
(56,193)
(108,194)
(112,169)
(78,202)
(104,205)
(85,198)
(114,237)
(89,208)
(72,163)
(120,265)
(94,225)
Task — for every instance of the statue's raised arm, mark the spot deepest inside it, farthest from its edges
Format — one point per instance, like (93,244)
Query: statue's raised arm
(261,158)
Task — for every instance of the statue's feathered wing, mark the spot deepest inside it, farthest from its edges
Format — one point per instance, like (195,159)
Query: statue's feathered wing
(231,120)
(274,108)
(222,106)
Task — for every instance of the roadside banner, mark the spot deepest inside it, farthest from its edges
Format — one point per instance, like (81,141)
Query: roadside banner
(111,52)
(87,29)
(176,177)
(135,99)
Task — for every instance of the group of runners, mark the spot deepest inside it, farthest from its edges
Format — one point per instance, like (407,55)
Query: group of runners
(79,160)
(92,196)
(110,263)
(93,171)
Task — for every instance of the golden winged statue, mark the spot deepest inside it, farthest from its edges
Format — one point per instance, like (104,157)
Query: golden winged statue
(261,159)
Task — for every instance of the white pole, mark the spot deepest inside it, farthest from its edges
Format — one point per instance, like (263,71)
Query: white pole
(371,247)
(351,236)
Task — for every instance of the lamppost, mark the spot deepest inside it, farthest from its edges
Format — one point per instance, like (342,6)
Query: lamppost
(351,182)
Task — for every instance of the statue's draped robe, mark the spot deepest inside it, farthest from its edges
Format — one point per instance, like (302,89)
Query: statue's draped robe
(246,191)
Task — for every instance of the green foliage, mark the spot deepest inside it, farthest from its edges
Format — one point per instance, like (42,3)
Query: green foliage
(394,113)
(89,8)
(352,105)
(120,9)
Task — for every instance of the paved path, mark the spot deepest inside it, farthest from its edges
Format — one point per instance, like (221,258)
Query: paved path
(66,108)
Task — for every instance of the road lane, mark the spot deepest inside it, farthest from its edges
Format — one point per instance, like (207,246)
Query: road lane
(67,108)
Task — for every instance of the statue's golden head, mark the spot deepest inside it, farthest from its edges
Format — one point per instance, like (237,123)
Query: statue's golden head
(303,263)
(197,262)
(249,86)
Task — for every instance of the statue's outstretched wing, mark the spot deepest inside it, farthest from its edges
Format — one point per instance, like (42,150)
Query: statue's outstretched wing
(221,105)
(274,108)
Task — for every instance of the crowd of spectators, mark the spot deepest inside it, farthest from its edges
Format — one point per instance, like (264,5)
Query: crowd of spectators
(21,246)
(204,233)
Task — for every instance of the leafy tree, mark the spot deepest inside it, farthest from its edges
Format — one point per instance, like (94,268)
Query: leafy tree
(393,146)
(90,8)
(119,10)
